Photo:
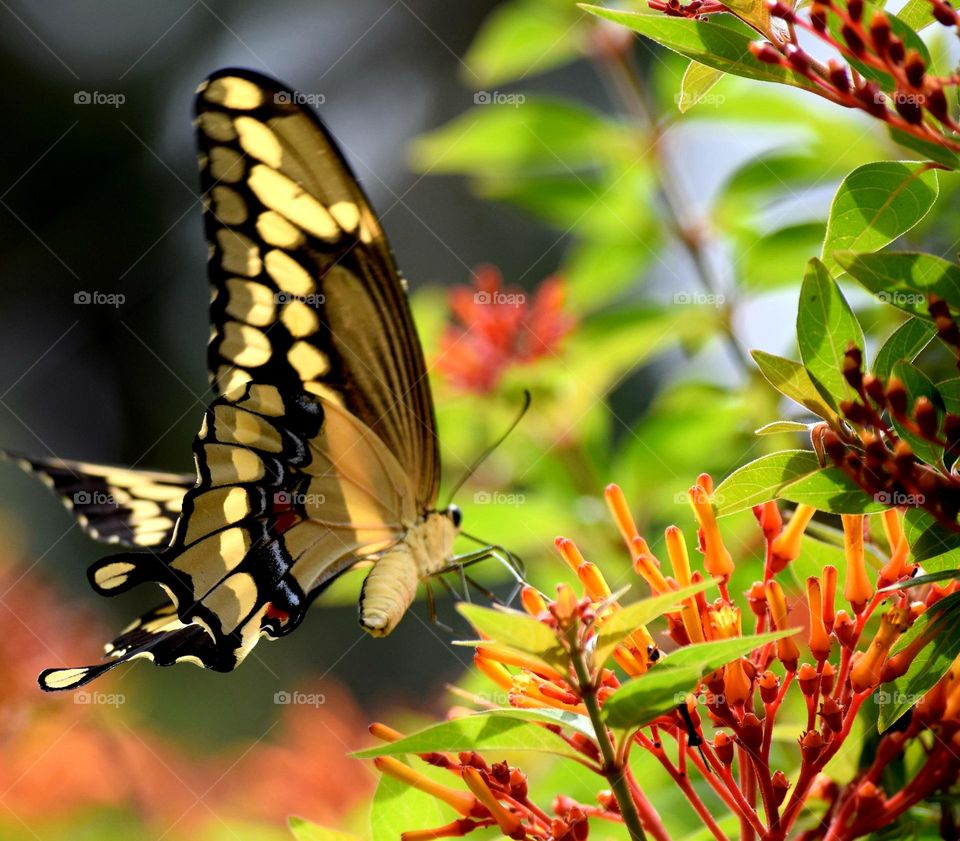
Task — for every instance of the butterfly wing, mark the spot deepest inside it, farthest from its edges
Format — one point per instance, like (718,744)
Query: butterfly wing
(114,504)
(290,492)
(306,294)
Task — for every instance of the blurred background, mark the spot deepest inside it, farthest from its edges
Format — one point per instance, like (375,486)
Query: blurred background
(636,242)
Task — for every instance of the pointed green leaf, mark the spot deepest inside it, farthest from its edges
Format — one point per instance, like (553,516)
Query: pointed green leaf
(928,666)
(780,427)
(905,343)
(659,690)
(497,731)
(628,619)
(876,203)
(516,630)
(904,279)
(696,83)
(761,480)
(792,380)
(826,326)
(830,489)
(717,45)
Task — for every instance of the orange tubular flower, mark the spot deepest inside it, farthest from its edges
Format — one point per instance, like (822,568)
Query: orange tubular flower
(786,547)
(787,650)
(858,590)
(463,802)
(680,561)
(510,825)
(819,638)
(868,667)
(717,560)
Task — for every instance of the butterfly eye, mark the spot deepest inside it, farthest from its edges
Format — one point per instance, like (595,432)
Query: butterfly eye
(456,515)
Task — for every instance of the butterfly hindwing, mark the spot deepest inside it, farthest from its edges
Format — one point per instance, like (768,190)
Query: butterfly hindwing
(307,296)
(115,504)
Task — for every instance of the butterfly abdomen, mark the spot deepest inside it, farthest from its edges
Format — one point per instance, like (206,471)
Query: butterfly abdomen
(391,586)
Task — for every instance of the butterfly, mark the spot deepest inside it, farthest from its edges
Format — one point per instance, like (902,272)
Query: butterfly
(319,449)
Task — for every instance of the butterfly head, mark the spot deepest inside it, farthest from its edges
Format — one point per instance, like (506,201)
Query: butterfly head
(455,515)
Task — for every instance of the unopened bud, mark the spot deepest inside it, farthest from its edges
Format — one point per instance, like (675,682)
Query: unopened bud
(723,747)
(765,51)
(751,732)
(925,414)
(808,678)
(781,785)
(831,713)
(844,628)
(769,685)
(811,743)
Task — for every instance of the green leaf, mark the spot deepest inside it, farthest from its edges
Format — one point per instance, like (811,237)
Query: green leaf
(931,544)
(549,715)
(929,665)
(934,151)
(919,384)
(520,39)
(762,480)
(628,619)
(516,630)
(876,203)
(304,830)
(826,326)
(905,343)
(778,427)
(659,690)
(696,83)
(716,45)
(398,807)
(830,489)
(904,279)
(917,14)
(493,731)
(792,380)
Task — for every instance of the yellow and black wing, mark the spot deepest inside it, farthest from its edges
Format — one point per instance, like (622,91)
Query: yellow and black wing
(306,294)
(114,504)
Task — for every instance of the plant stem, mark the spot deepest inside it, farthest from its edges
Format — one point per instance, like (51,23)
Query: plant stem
(613,771)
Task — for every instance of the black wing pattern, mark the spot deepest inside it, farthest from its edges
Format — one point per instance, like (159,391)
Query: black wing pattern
(307,296)
(114,504)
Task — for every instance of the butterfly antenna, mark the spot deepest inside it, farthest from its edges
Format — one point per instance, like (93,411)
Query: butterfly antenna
(487,452)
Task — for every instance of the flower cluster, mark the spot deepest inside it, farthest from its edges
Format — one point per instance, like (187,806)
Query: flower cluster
(874,451)
(499,328)
(724,724)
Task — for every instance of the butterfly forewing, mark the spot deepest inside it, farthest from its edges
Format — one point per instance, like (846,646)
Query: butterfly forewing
(306,294)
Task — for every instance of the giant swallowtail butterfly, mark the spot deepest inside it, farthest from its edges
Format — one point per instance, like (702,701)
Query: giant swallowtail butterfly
(319,449)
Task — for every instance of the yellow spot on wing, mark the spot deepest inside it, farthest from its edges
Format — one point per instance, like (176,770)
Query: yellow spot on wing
(250,302)
(258,141)
(299,319)
(308,361)
(243,427)
(229,378)
(347,215)
(240,254)
(289,199)
(113,575)
(64,678)
(233,600)
(226,164)
(217,126)
(244,345)
(263,399)
(287,273)
(275,230)
(228,206)
(233,92)
(230,465)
